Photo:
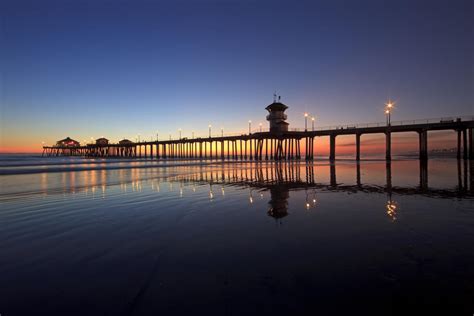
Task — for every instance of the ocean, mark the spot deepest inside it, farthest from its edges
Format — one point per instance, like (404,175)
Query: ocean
(177,237)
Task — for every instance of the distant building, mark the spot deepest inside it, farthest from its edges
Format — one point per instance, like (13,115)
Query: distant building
(277,117)
(102,141)
(125,142)
(67,142)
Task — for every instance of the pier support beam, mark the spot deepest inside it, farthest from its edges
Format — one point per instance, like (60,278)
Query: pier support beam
(423,143)
(388,146)
(333,180)
(358,147)
(332,147)
(423,174)
(471,142)
(458,154)
(464,140)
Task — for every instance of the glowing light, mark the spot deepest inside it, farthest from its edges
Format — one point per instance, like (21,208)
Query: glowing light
(391,208)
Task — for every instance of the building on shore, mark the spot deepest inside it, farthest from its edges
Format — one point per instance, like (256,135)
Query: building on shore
(277,117)
(67,142)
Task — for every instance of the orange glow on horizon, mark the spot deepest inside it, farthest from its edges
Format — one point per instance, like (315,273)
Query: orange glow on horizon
(345,145)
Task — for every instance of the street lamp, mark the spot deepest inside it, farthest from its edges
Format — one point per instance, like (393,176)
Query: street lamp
(250,127)
(180,133)
(222,132)
(210,130)
(388,111)
(260,124)
(312,123)
(306,122)
(170,136)
(193,134)
(138,137)
(156,136)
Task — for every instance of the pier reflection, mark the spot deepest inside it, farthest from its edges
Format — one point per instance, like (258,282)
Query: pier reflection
(274,181)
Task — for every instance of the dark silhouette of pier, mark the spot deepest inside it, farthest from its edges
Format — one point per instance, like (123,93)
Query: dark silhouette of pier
(275,145)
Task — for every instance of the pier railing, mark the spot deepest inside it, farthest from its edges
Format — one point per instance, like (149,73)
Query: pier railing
(450,119)
(273,146)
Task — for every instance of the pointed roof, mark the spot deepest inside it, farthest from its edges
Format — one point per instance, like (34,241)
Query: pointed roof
(276,106)
(67,139)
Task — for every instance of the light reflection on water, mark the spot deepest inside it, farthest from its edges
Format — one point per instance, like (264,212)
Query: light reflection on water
(238,238)
(448,178)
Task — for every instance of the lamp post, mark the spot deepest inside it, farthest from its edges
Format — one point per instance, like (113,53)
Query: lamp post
(210,126)
(260,124)
(170,136)
(156,136)
(306,122)
(193,134)
(138,137)
(222,132)
(388,111)
(179,133)
(312,123)
(250,127)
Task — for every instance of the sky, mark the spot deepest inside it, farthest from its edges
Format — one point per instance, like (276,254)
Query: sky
(87,69)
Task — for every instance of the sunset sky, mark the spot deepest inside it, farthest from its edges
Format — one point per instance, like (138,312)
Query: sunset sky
(121,68)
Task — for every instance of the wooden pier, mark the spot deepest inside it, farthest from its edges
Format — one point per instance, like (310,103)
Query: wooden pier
(275,146)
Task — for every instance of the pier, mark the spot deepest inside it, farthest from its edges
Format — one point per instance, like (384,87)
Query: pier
(268,145)
(276,143)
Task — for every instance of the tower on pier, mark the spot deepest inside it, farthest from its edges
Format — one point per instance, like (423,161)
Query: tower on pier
(277,116)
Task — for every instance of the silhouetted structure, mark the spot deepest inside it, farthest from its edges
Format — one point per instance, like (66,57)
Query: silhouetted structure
(279,143)
(102,141)
(277,118)
(67,142)
(125,142)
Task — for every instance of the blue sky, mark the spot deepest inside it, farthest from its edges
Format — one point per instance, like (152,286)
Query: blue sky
(119,68)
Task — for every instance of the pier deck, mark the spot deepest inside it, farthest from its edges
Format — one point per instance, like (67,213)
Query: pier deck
(276,146)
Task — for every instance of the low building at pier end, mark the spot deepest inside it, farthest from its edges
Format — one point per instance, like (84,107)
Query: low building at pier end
(125,142)
(67,142)
(102,141)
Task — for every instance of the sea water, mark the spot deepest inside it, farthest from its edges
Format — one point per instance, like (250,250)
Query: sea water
(146,237)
